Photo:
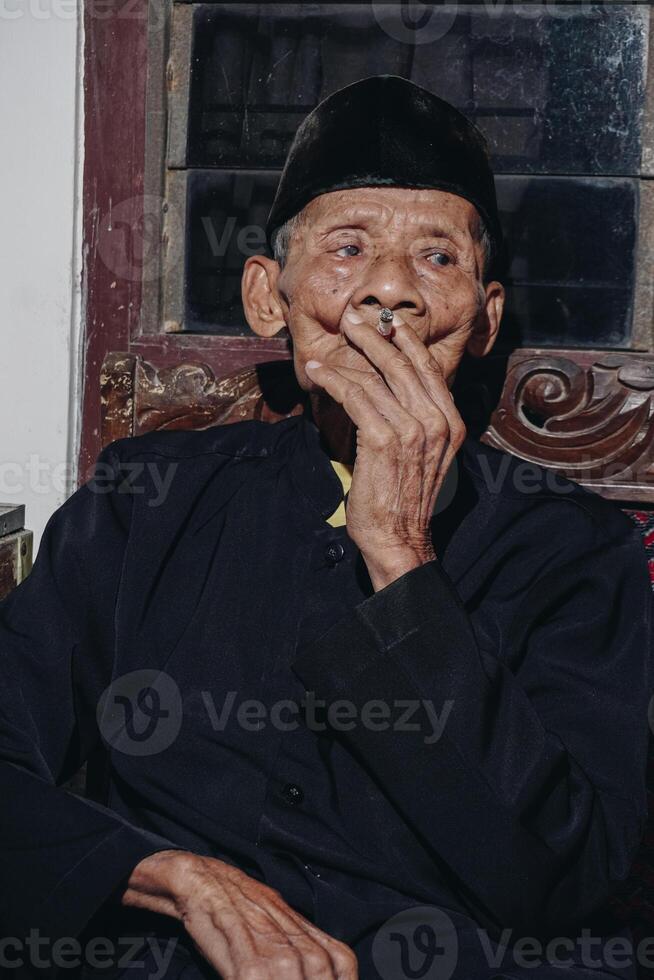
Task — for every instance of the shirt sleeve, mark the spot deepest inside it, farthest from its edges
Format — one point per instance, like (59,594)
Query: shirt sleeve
(533,793)
(62,856)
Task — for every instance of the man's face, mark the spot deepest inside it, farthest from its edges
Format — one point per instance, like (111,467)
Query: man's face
(414,251)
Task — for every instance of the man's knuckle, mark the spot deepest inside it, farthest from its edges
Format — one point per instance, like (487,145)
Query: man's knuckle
(425,364)
(453,435)
(413,444)
(440,425)
(431,365)
(285,960)
(317,960)
(345,960)
(355,392)
(372,381)
(253,971)
(413,431)
(383,439)
(403,363)
(344,951)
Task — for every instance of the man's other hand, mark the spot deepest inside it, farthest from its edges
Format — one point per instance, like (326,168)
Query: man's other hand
(243,928)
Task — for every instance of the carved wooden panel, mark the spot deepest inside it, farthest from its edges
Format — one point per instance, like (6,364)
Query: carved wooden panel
(136,397)
(586,414)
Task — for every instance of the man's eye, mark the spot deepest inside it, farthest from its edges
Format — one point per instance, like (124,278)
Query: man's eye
(442,258)
(338,252)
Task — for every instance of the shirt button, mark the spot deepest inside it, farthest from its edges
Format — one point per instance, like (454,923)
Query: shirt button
(334,552)
(293,794)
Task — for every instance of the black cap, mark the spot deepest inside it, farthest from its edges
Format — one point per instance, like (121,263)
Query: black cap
(387,131)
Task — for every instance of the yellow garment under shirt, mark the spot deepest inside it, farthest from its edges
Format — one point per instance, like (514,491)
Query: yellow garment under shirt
(344,473)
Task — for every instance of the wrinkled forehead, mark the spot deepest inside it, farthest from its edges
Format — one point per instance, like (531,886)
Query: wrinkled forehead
(382,210)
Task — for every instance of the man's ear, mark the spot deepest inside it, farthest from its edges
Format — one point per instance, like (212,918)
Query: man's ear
(260,296)
(487,325)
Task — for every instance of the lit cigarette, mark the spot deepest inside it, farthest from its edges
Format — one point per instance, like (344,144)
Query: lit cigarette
(385,324)
(385,319)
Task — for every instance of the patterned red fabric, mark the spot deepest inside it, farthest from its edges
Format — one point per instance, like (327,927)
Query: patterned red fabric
(635,903)
(644,520)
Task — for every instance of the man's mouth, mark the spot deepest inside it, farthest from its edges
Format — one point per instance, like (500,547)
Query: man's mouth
(382,320)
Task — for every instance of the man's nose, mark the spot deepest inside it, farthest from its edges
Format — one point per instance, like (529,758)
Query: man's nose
(389,282)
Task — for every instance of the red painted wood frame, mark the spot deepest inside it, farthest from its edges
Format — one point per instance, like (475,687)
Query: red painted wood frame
(124,89)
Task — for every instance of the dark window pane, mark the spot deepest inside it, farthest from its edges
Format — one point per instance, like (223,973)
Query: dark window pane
(556,88)
(566,316)
(226,215)
(572,243)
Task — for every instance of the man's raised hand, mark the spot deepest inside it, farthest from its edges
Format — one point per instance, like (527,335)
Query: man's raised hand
(408,433)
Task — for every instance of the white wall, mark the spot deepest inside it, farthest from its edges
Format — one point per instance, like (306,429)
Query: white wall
(41,132)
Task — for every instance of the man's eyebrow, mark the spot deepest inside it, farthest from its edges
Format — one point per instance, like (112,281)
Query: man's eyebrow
(362,219)
(433,229)
(356,220)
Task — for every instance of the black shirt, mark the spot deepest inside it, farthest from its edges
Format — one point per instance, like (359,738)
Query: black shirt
(488,753)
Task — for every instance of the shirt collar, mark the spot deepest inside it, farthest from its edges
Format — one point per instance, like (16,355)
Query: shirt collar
(311,470)
(314,476)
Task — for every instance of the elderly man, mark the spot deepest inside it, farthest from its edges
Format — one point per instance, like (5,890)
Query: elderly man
(404,737)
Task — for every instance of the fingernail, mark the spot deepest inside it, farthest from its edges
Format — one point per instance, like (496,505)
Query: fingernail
(313,364)
(353,317)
